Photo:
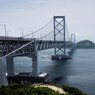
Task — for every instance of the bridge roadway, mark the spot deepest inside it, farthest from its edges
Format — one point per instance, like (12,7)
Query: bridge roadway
(9,44)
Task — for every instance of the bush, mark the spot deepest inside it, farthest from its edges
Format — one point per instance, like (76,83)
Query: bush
(20,89)
(73,90)
(16,86)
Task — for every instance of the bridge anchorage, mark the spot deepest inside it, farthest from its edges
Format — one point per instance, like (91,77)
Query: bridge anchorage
(60,28)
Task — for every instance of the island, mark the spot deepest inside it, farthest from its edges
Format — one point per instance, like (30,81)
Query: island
(86,44)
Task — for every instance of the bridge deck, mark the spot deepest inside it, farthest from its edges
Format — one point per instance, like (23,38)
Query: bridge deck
(9,44)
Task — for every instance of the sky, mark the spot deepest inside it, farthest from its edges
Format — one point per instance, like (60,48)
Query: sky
(33,14)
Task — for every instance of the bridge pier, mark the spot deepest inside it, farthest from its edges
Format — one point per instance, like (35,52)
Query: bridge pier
(10,65)
(35,66)
(58,57)
(34,56)
(35,60)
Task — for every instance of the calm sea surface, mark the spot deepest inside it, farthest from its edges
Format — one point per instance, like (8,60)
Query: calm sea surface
(77,72)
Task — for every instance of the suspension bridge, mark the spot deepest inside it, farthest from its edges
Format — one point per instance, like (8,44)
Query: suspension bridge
(53,35)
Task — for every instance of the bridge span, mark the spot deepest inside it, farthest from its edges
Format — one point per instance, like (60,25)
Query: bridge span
(11,47)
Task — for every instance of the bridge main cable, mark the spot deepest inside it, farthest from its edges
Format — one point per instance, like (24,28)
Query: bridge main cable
(38,29)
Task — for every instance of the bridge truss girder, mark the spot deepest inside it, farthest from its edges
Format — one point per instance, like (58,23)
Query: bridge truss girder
(8,46)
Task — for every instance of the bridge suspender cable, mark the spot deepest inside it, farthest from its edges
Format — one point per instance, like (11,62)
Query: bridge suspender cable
(67,30)
(46,35)
(37,30)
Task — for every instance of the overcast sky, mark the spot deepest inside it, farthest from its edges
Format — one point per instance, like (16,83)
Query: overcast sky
(33,14)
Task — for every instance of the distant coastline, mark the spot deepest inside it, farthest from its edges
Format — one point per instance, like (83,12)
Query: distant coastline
(85,44)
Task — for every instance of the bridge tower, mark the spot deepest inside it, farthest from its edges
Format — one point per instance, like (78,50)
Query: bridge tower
(59,28)
(73,40)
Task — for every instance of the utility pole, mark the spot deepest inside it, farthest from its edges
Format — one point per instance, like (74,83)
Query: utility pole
(8,33)
(4,29)
(21,31)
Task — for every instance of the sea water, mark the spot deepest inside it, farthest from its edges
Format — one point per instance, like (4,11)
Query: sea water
(77,72)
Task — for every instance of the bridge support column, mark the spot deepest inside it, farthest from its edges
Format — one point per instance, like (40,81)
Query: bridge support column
(34,56)
(3,79)
(10,65)
(35,64)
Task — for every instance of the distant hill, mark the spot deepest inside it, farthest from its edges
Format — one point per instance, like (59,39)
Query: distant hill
(85,44)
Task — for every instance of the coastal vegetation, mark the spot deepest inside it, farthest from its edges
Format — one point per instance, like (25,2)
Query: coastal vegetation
(21,89)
